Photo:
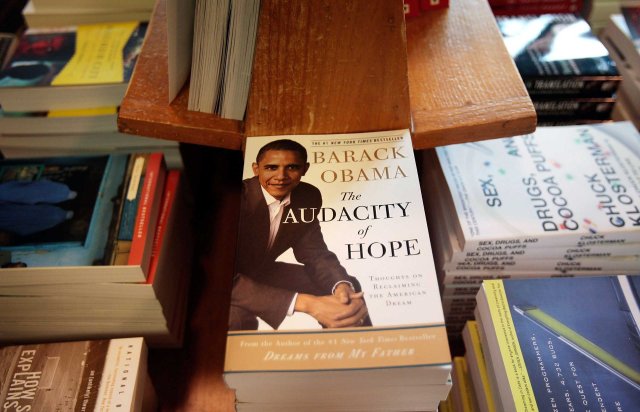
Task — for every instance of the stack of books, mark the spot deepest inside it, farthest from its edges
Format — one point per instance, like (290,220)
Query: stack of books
(60,91)
(96,375)
(566,69)
(342,311)
(622,38)
(95,246)
(563,201)
(561,343)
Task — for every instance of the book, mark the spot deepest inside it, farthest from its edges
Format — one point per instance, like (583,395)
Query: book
(148,192)
(474,355)
(154,309)
(180,16)
(223,45)
(412,8)
(559,55)
(588,199)
(550,350)
(464,397)
(71,68)
(98,375)
(57,122)
(52,16)
(353,221)
(8,44)
(87,144)
(577,108)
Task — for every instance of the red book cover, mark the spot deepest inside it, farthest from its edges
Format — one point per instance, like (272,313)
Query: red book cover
(411,8)
(168,198)
(148,211)
(433,4)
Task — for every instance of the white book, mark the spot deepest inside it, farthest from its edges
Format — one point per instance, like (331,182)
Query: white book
(560,186)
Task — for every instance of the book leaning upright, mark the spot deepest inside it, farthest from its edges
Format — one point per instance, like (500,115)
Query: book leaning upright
(348,236)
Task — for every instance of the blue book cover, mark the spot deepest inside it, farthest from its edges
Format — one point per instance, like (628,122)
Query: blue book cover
(564,343)
(68,223)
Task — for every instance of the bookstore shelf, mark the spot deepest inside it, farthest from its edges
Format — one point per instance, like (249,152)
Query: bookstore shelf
(462,84)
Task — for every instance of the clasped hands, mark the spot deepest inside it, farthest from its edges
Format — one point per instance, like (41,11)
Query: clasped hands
(344,308)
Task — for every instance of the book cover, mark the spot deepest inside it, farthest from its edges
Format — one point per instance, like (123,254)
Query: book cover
(560,186)
(346,283)
(99,375)
(550,350)
(48,203)
(558,54)
(412,8)
(72,67)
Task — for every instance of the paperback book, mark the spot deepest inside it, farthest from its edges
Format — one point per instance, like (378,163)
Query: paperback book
(352,236)
(588,199)
(478,371)
(224,37)
(59,122)
(558,55)
(98,375)
(549,350)
(71,68)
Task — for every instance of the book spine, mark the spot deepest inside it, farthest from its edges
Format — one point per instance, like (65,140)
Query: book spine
(577,108)
(168,199)
(147,214)
(573,86)
(515,263)
(469,279)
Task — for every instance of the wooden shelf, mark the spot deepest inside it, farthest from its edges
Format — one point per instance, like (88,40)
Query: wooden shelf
(462,84)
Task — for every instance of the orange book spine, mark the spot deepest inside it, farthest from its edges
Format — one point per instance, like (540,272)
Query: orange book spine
(168,200)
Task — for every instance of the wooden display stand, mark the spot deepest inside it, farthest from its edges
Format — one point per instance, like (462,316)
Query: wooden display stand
(326,66)
(321,66)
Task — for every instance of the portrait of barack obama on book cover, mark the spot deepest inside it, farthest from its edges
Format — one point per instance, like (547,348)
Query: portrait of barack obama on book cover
(265,288)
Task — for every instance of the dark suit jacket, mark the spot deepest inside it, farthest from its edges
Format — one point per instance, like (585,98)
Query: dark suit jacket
(264,288)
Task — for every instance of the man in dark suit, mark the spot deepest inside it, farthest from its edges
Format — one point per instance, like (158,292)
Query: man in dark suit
(276,215)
